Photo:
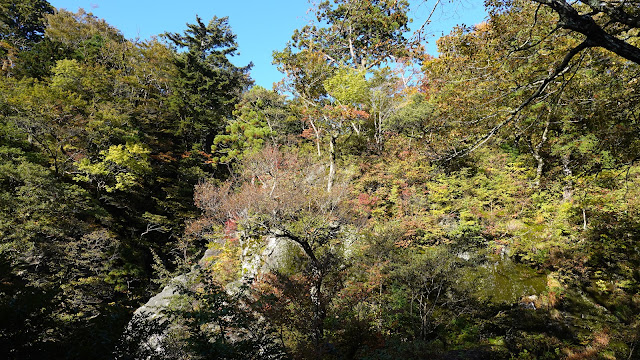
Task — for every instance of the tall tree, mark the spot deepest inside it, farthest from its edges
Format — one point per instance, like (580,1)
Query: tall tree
(94,175)
(526,79)
(262,117)
(359,34)
(23,21)
(326,64)
(208,84)
(22,25)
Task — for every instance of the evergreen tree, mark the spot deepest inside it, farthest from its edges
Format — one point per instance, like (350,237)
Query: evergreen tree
(207,84)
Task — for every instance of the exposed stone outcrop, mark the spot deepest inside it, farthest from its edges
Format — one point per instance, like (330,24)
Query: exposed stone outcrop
(257,257)
(265,256)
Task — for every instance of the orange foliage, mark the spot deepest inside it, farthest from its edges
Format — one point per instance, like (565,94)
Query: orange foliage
(308,133)
(208,157)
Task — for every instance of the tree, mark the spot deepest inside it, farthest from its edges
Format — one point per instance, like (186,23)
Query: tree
(359,34)
(207,85)
(579,26)
(95,175)
(93,40)
(348,89)
(326,64)
(21,26)
(609,24)
(38,61)
(427,280)
(414,119)
(61,265)
(356,34)
(23,21)
(281,195)
(525,88)
(262,117)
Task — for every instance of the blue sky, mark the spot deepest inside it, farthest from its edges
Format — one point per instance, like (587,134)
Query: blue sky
(261,25)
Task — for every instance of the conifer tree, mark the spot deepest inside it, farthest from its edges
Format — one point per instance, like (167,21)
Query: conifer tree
(207,84)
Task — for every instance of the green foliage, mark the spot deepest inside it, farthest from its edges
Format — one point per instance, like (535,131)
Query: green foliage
(348,87)
(282,196)
(261,116)
(60,264)
(422,288)
(38,61)
(391,244)
(207,85)
(120,168)
(359,34)
(413,119)
(67,76)
(91,38)
(94,174)
(22,22)
(22,25)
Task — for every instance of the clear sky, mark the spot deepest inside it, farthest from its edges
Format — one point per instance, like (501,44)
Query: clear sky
(262,26)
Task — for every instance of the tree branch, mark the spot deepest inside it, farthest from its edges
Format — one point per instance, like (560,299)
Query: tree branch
(418,33)
(615,13)
(559,70)
(571,19)
(278,233)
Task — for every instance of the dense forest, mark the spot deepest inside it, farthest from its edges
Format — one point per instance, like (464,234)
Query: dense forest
(377,203)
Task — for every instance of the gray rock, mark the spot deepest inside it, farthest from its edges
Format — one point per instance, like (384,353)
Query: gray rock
(257,257)
(153,308)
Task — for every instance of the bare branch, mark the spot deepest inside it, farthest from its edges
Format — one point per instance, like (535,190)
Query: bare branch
(418,33)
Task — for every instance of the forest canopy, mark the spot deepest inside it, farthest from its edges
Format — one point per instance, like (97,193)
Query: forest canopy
(377,203)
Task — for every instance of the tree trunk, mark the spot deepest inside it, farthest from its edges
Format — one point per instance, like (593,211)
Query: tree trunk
(571,19)
(315,293)
(317,133)
(332,162)
(536,153)
(567,193)
(378,130)
(319,311)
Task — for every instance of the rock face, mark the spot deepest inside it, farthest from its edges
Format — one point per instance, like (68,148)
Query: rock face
(141,336)
(269,255)
(257,257)
(153,308)
(147,329)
